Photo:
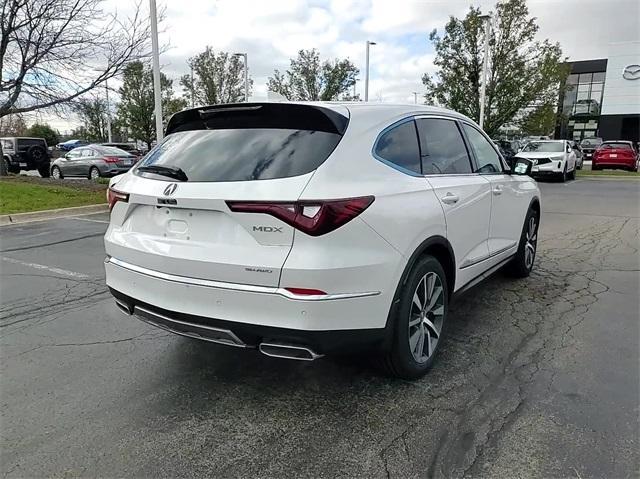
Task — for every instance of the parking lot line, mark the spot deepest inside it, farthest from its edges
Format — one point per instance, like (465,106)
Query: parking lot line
(88,219)
(51,269)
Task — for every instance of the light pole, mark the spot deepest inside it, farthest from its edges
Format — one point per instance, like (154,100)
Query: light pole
(354,88)
(366,78)
(155,50)
(415,97)
(193,89)
(106,89)
(246,75)
(485,66)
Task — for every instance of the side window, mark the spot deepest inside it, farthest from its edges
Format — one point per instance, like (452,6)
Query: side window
(486,156)
(77,152)
(442,147)
(399,146)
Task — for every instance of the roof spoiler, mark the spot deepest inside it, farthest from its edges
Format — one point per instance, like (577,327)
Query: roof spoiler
(259,115)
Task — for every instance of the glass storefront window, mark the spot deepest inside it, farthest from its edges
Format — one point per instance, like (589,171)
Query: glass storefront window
(598,77)
(585,78)
(573,79)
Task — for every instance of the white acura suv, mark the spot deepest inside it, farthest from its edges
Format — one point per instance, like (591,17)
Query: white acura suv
(305,229)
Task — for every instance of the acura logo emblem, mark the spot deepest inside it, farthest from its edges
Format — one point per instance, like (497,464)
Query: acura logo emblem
(631,72)
(170,189)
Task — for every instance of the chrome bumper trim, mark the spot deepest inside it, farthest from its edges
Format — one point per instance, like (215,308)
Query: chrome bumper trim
(235,286)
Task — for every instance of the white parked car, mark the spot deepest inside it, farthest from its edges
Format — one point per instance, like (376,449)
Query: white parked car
(551,158)
(308,229)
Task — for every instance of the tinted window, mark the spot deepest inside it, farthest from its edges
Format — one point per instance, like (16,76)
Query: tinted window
(614,145)
(486,156)
(110,150)
(399,145)
(243,154)
(442,147)
(8,144)
(545,146)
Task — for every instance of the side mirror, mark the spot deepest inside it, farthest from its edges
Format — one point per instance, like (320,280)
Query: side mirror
(522,166)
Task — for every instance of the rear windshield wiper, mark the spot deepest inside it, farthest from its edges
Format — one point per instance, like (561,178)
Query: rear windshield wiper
(170,171)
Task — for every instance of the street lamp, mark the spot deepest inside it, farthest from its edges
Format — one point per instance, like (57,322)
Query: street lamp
(155,51)
(246,75)
(485,65)
(366,78)
(106,89)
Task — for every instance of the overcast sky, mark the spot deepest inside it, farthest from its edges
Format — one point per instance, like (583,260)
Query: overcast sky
(272,31)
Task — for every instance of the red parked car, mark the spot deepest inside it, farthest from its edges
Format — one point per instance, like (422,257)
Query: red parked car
(615,154)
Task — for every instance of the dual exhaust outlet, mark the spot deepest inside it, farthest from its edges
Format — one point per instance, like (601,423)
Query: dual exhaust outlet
(217,335)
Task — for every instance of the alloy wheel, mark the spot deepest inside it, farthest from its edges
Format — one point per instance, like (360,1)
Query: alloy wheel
(94,173)
(531,238)
(426,317)
(55,173)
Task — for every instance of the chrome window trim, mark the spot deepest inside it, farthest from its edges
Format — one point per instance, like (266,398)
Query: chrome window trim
(235,286)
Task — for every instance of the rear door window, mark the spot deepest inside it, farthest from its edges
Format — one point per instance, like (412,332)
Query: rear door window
(399,146)
(442,147)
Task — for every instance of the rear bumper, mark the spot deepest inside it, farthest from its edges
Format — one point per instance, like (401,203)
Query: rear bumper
(329,325)
(612,164)
(251,335)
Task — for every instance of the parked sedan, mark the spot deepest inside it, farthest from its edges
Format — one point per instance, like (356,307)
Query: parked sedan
(615,154)
(71,144)
(553,158)
(92,162)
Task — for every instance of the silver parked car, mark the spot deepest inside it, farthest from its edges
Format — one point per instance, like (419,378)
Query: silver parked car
(93,161)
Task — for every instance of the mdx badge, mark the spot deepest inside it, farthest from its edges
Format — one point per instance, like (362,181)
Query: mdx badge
(268,229)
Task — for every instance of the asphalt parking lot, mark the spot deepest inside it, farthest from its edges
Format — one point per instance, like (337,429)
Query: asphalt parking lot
(537,377)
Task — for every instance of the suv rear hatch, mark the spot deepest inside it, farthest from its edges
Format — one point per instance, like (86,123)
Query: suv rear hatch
(176,218)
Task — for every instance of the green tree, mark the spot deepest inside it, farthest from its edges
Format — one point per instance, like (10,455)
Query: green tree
(217,78)
(540,120)
(307,79)
(93,113)
(136,108)
(43,130)
(522,71)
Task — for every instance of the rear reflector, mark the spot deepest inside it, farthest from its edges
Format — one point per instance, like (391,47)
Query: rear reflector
(306,292)
(113,196)
(313,217)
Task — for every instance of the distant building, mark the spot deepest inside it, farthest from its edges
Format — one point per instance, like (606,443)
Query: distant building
(603,97)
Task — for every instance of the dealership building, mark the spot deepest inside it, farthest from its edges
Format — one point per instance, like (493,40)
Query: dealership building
(602,98)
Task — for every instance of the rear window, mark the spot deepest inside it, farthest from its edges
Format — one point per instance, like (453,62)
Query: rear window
(617,146)
(111,150)
(544,146)
(245,142)
(242,154)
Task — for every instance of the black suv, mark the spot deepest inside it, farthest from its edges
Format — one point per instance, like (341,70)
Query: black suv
(22,153)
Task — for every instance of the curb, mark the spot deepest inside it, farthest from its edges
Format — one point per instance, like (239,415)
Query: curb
(17,218)
(606,177)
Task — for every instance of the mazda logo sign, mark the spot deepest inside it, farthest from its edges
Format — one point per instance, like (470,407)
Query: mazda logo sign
(631,72)
(170,189)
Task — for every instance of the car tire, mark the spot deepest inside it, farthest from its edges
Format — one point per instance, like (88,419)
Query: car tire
(572,175)
(11,167)
(94,173)
(44,171)
(56,172)
(563,175)
(419,320)
(522,263)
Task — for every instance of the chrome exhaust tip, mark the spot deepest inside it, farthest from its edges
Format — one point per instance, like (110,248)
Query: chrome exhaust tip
(124,308)
(288,351)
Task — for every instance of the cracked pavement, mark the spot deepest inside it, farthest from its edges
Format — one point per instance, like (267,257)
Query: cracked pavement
(537,377)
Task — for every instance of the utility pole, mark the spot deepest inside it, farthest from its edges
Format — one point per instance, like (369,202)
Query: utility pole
(193,89)
(366,78)
(485,66)
(106,89)
(246,75)
(155,50)
(415,97)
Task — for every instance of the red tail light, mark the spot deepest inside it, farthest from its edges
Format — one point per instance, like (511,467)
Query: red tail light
(113,196)
(313,217)
(306,292)
(111,159)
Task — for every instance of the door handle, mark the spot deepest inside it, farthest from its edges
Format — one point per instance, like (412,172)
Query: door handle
(497,190)
(450,199)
